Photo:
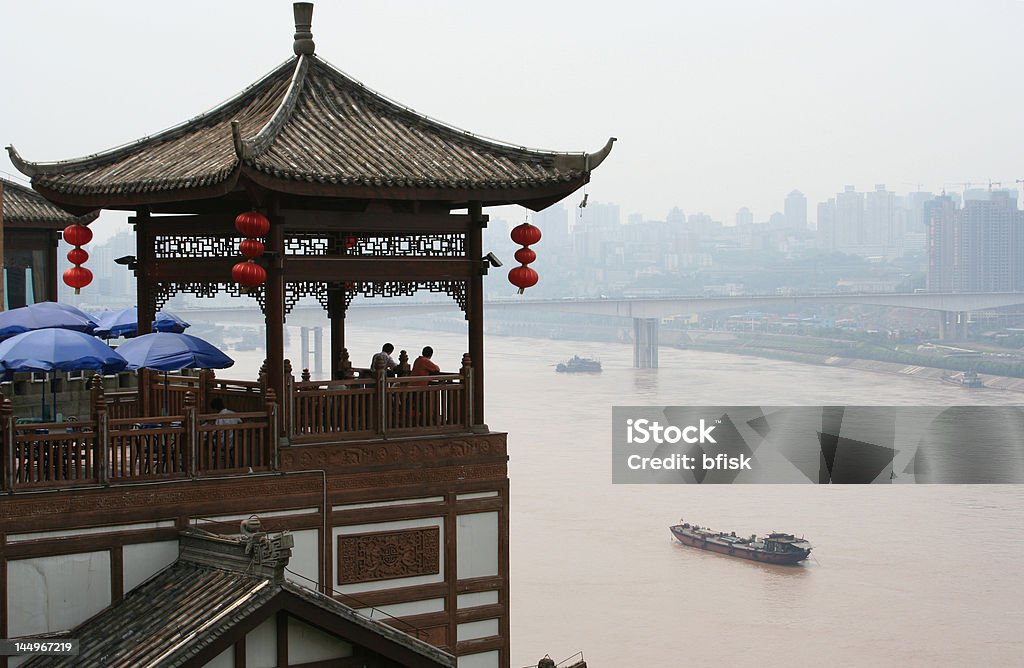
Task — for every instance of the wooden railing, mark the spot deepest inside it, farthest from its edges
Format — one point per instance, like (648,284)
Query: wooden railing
(50,454)
(107,450)
(382,405)
(129,436)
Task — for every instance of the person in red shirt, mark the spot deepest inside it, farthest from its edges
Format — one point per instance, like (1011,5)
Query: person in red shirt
(424,366)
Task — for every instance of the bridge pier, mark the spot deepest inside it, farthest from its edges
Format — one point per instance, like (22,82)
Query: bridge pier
(952,325)
(318,343)
(645,343)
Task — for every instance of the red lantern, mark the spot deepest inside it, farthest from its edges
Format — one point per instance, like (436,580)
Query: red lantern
(526,234)
(77,278)
(525,256)
(77,235)
(251,248)
(350,242)
(523,277)
(77,256)
(248,274)
(252,224)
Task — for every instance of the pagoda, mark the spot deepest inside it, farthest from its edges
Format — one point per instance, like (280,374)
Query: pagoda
(395,491)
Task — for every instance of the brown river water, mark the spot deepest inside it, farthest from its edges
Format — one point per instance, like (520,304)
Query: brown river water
(916,575)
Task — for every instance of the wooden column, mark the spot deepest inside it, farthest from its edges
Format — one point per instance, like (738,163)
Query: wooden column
(274,310)
(336,314)
(144,258)
(475,306)
(51,275)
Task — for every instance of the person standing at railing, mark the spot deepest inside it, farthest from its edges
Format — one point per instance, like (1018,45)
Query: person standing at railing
(385,354)
(424,366)
(424,410)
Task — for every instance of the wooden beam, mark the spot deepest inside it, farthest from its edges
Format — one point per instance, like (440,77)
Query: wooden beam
(318,268)
(296,221)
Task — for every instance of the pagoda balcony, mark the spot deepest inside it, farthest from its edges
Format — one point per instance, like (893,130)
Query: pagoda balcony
(161,429)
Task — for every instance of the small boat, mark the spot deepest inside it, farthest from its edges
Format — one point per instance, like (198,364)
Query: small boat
(579,365)
(965,379)
(775,548)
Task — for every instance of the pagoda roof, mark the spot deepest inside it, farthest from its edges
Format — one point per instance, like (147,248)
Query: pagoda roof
(23,207)
(198,606)
(308,129)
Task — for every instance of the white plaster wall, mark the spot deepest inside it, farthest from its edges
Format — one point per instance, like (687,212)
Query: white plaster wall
(404,609)
(261,645)
(307,644)
(388,526)
(225,659)
(477,598)
(144,560)
(477,541)
(56,593)
(305,558)
(474,630)
(481,660)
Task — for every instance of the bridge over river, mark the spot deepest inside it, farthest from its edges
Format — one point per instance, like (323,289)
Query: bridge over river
(647,313)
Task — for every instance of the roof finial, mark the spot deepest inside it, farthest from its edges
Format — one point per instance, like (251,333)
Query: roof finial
(303,45)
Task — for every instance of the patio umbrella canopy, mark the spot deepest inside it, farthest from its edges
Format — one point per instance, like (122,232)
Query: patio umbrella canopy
(125,322)
(165,351)
(58,350)
(45,315)
(55,350)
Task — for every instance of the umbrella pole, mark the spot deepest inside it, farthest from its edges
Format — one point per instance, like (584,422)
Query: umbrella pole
(42,397)
(53,390)
(167,397)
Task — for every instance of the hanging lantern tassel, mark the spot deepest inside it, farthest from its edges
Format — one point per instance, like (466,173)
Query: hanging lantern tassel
(77,277)
(524,277)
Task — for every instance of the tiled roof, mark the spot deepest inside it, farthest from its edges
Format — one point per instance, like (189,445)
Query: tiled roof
(169,619)
(307,128)
(24,207)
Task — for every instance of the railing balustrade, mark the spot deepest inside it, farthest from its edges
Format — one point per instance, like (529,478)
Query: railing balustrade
(125,440)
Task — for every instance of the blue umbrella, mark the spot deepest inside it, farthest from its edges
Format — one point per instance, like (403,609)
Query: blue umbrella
(125,322)
(58,350)
(165,351)
(44,315)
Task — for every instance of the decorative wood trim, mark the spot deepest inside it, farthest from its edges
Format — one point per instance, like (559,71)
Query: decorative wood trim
(386,555)
(116,573)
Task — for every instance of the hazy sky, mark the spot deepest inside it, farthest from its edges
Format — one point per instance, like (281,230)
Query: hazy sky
(716,105)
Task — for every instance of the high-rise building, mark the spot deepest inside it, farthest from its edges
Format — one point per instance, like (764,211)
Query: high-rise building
(849,219)
(744,217)
(796,210)
(826,236)
(880,218)
(979,248)
(940,217)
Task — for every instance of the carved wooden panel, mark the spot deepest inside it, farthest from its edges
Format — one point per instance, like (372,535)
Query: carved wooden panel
(383,555)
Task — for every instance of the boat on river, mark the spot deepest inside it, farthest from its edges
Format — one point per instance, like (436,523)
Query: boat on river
(774,548)
(579,365)
(965,379)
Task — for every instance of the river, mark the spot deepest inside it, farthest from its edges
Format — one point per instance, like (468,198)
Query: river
(901,574)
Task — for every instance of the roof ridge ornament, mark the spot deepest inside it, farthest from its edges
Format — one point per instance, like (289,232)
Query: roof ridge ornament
(304,45)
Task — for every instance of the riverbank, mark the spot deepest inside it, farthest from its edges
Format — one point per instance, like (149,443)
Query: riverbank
(735,346)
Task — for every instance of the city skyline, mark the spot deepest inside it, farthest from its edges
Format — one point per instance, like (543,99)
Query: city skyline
(707,102)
